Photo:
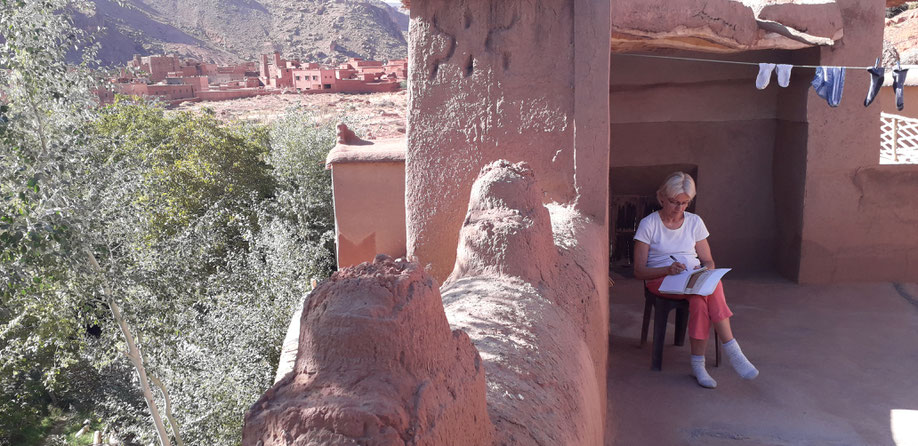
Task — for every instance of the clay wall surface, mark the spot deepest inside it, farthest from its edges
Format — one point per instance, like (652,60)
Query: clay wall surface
(263,70)
(789,162)
(364,63)
(304,80)
(197,83)
(712,116)
(222,95)
(313,79)
(169,92)
(369,210)
(399,67)
(857,222)
(536,305)
(359,86)
(159,66)
(222,78)
(503,79)
(460,121)
(136,89)
(394,374)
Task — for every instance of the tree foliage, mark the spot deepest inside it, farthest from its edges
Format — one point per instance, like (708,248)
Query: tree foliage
(205,237)
(193,160)
(45,108)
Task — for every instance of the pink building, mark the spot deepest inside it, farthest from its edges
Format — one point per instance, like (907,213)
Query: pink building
(354,76)
(197,83)
(173,79)
(279,74)
(399,67)
(314,79)
(227,74)
(339,80)
(158,67)
(166,92)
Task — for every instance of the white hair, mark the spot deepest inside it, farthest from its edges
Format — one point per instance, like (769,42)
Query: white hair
(676,183)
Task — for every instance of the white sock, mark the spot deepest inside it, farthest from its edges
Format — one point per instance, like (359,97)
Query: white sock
(764,76)
(699,372)
(783,74)
(738,360)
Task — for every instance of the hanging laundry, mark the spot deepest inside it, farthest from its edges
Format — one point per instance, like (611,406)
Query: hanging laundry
(898,83)
(783,72)
(765,69)
(876,81)
(829,83)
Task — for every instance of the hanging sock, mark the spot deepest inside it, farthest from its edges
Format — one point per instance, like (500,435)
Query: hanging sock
(829,84)
(765,69)
(898,83)
(876,81)
(783,72)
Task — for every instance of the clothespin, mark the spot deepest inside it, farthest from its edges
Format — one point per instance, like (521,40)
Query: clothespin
(877,63)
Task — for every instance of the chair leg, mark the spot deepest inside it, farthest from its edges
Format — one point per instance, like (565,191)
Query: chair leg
(659,333)
(681,326)
(648,306)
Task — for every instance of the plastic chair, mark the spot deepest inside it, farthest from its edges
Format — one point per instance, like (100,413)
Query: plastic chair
(661,307)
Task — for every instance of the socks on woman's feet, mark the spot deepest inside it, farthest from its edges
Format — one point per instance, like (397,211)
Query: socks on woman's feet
(743,367)
(699,372)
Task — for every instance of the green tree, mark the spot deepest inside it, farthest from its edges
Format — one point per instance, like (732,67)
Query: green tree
(172,234)
(52,238)
(263,250)
(193,160)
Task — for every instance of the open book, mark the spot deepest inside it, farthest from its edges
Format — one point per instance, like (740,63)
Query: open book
(701,281)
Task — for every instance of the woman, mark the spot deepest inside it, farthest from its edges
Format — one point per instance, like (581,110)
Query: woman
(670,241)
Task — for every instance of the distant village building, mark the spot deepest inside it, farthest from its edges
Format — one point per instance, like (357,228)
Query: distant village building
(353,76)
(177,80)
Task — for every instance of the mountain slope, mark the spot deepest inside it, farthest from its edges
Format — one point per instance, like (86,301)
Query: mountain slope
(224,31)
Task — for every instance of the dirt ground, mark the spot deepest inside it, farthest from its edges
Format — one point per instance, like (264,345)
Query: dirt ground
(382,115)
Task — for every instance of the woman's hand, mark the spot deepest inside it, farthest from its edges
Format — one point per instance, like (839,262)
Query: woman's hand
(675,268)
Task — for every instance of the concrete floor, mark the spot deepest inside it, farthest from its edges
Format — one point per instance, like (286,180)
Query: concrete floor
(834,362)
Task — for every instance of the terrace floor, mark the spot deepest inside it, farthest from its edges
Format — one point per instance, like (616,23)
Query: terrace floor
(838,366)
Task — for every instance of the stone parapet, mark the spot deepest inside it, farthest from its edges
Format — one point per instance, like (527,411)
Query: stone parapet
(368,183)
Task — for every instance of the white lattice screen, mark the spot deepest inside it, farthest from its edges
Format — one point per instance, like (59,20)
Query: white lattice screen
(898,139)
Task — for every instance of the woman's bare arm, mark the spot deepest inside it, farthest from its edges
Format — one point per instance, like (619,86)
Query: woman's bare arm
(703,249)
(643,272)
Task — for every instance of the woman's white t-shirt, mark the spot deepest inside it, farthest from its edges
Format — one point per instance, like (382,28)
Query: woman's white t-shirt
(665,242)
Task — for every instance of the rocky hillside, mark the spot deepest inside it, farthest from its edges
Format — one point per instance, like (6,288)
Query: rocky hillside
(225,31)
(900,39)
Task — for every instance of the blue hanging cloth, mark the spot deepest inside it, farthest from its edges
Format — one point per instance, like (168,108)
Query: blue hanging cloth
(829,83)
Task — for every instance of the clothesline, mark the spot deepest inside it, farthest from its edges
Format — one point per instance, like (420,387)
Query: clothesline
(736,62)
(829,81)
